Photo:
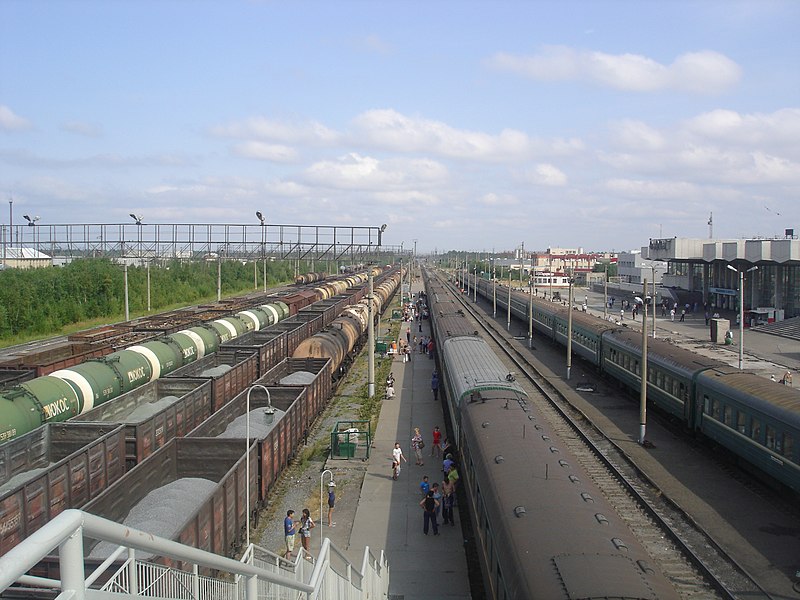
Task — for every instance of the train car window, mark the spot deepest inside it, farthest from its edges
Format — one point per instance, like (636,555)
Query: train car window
(715,409)
(741,421)
(769,438)
(683,393)
(660,379)
(706,405)
(755,430)
(727,415)
(788,446)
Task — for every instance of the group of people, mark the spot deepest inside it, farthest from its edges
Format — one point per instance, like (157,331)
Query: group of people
(436,499)
(303,527)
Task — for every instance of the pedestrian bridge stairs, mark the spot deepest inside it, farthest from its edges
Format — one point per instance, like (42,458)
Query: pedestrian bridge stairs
(260,574)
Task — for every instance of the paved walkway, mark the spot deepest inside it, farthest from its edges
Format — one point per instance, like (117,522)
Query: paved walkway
(762,352)
(387,515)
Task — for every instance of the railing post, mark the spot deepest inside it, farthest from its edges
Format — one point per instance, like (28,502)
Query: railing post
(252,588)
(196,581)
(70,555)
(133,577)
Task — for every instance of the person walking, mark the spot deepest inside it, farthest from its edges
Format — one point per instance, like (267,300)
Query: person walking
(436,445)
(435,386)
(289,525)
(428,505)
(417,444)
(672,314)
(397,456)
(306,525)
(408,335)
(331,503)
(683,314)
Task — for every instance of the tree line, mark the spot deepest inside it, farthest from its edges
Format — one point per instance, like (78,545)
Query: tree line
(41,302)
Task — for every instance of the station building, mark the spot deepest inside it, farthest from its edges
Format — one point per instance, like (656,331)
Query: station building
(770,268)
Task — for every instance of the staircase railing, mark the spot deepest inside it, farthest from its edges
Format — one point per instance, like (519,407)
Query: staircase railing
(330,576)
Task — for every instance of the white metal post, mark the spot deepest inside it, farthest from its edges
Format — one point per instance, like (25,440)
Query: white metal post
(569,330)
(643,370)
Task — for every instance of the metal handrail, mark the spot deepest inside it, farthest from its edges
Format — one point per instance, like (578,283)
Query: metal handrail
(66,531)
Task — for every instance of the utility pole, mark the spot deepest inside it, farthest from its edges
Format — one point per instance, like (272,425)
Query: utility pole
(371,340)
(643,373)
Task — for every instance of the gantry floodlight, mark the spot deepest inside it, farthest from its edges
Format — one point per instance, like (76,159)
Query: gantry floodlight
(383,227)
(137,218)
(260,216)
(31,220)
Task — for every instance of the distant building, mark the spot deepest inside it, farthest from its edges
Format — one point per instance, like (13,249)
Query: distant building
(633,267)
(771,270)
(24,258)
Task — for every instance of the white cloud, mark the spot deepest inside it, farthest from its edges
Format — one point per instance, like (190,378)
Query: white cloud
(545,174)
(10,121)
(261,128)
(391,130)
(83,128)
(651,190)
(354,171)
(779,127)
(699,72)
(492,199)
(263,151)
(636,135)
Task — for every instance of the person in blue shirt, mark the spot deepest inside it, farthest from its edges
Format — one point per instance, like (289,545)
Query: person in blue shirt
(424,486)
(289,525)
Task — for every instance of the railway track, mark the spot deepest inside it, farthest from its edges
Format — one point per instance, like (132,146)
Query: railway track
(697,567)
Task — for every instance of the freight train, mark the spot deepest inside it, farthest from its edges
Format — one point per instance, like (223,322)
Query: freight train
(756,419)
(339,338)
(65,465)
(66,393)
(542,527)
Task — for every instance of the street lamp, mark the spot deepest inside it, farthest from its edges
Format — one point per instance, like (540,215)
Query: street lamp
(569,329)
(331,483)
(137,218)
(643,370)
(31,220)
(247,454)
(263,253)
(530,310)
(494,287)
(741,311)
(652,268)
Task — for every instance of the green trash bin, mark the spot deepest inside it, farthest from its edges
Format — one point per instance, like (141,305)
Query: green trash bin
(347,450)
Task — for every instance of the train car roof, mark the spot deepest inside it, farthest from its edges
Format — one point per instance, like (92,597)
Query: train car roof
(769,397)
(474,369)
(662,352)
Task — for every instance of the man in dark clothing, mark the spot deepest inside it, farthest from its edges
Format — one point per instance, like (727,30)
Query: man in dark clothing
(435,386)
(429,505)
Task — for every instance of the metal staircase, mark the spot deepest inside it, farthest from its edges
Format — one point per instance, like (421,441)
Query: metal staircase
(186,573)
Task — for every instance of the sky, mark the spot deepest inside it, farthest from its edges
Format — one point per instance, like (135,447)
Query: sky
(465,125)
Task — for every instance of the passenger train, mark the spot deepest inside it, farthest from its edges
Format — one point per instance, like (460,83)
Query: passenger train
(543,529)
(756,419)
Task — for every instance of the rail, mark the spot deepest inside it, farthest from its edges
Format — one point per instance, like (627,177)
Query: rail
(249,579)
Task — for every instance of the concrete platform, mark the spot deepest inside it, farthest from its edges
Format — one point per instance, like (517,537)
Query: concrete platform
(386,515)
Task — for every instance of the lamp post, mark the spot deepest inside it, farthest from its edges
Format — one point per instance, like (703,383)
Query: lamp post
(741,310)
(475,283)
(643,387)
(494,287)
(569,330)
(263,242)
(652,268)
(138,219)
(247,455)
(508,318)
(321,481)
(530,311)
